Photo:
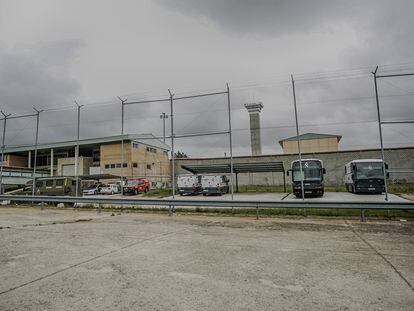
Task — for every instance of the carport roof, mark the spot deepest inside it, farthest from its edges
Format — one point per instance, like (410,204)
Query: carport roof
(258,167)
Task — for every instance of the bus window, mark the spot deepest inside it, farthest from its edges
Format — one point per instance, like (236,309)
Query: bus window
(39,184)
(60,182)
(49,183)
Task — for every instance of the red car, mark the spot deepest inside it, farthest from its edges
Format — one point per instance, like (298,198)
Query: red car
(136,185)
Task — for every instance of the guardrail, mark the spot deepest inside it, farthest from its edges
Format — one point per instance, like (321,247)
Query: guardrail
(172,203)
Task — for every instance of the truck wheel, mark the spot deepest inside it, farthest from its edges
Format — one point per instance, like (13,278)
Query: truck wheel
(135,191)
(146,190)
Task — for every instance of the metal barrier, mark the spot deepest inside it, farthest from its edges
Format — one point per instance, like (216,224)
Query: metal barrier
(173,203)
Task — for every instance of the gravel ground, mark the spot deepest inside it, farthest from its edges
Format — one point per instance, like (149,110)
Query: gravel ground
(75,260)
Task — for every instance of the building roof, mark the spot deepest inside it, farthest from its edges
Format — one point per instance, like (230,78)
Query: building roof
(310,136)
(145,139)
(253,167)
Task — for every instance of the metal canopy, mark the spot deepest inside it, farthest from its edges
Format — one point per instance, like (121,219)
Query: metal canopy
(260,167)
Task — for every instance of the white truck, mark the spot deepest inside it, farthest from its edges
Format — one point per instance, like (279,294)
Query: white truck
(189,184)
(214,184)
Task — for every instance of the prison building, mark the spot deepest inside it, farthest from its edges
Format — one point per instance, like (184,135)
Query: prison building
(144,156)
(310,143)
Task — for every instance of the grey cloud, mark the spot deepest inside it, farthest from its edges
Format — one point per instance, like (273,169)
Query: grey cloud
(36,76)
(270,17)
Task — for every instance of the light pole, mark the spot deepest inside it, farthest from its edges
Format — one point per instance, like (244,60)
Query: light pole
(163,116)
(2,149)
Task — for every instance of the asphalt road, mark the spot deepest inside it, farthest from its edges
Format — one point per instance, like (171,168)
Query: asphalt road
(74,260)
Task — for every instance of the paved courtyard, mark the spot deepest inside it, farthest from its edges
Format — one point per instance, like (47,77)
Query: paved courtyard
(73,260)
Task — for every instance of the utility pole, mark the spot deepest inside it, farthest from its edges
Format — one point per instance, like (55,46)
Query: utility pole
(122,143)
(163,116)
(35,155)
(2,150)
(77,149)
(298,139)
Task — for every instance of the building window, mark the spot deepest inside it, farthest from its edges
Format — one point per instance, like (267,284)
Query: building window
(111,165)
(125,165)
(118,165)
(106,165)
(150,149)
(149,166)
(135,164)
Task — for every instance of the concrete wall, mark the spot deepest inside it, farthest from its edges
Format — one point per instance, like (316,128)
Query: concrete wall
(397,158)
(311,145)
(84,163)
(142,161)
(15,160)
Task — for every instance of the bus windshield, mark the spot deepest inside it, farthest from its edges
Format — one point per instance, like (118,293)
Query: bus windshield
(366,170)
(311,169)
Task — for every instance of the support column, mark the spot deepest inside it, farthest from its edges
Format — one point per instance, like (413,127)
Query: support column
(29,159)
(51,162)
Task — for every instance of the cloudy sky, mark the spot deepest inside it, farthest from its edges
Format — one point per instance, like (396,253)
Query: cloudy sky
(54,52)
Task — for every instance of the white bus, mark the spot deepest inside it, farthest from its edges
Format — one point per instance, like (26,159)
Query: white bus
(313,182)
(365,176)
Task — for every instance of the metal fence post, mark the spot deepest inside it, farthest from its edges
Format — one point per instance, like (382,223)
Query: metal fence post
(2,150)
(77,149)
(172,143)
(257,211)
(35,155)
(302,176)
(380,134)
(122,143)
(362,215)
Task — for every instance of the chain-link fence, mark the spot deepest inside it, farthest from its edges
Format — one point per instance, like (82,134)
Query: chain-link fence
(213,126)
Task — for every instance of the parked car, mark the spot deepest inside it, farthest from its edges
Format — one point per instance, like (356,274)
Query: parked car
(136,185)
(93,189)
(189,184)
(111,189)
(214,184)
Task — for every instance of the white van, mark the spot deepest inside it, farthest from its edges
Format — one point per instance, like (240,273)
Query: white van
(189,184)
(214,184)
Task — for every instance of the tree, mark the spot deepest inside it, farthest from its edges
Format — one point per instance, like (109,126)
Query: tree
(180,155)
